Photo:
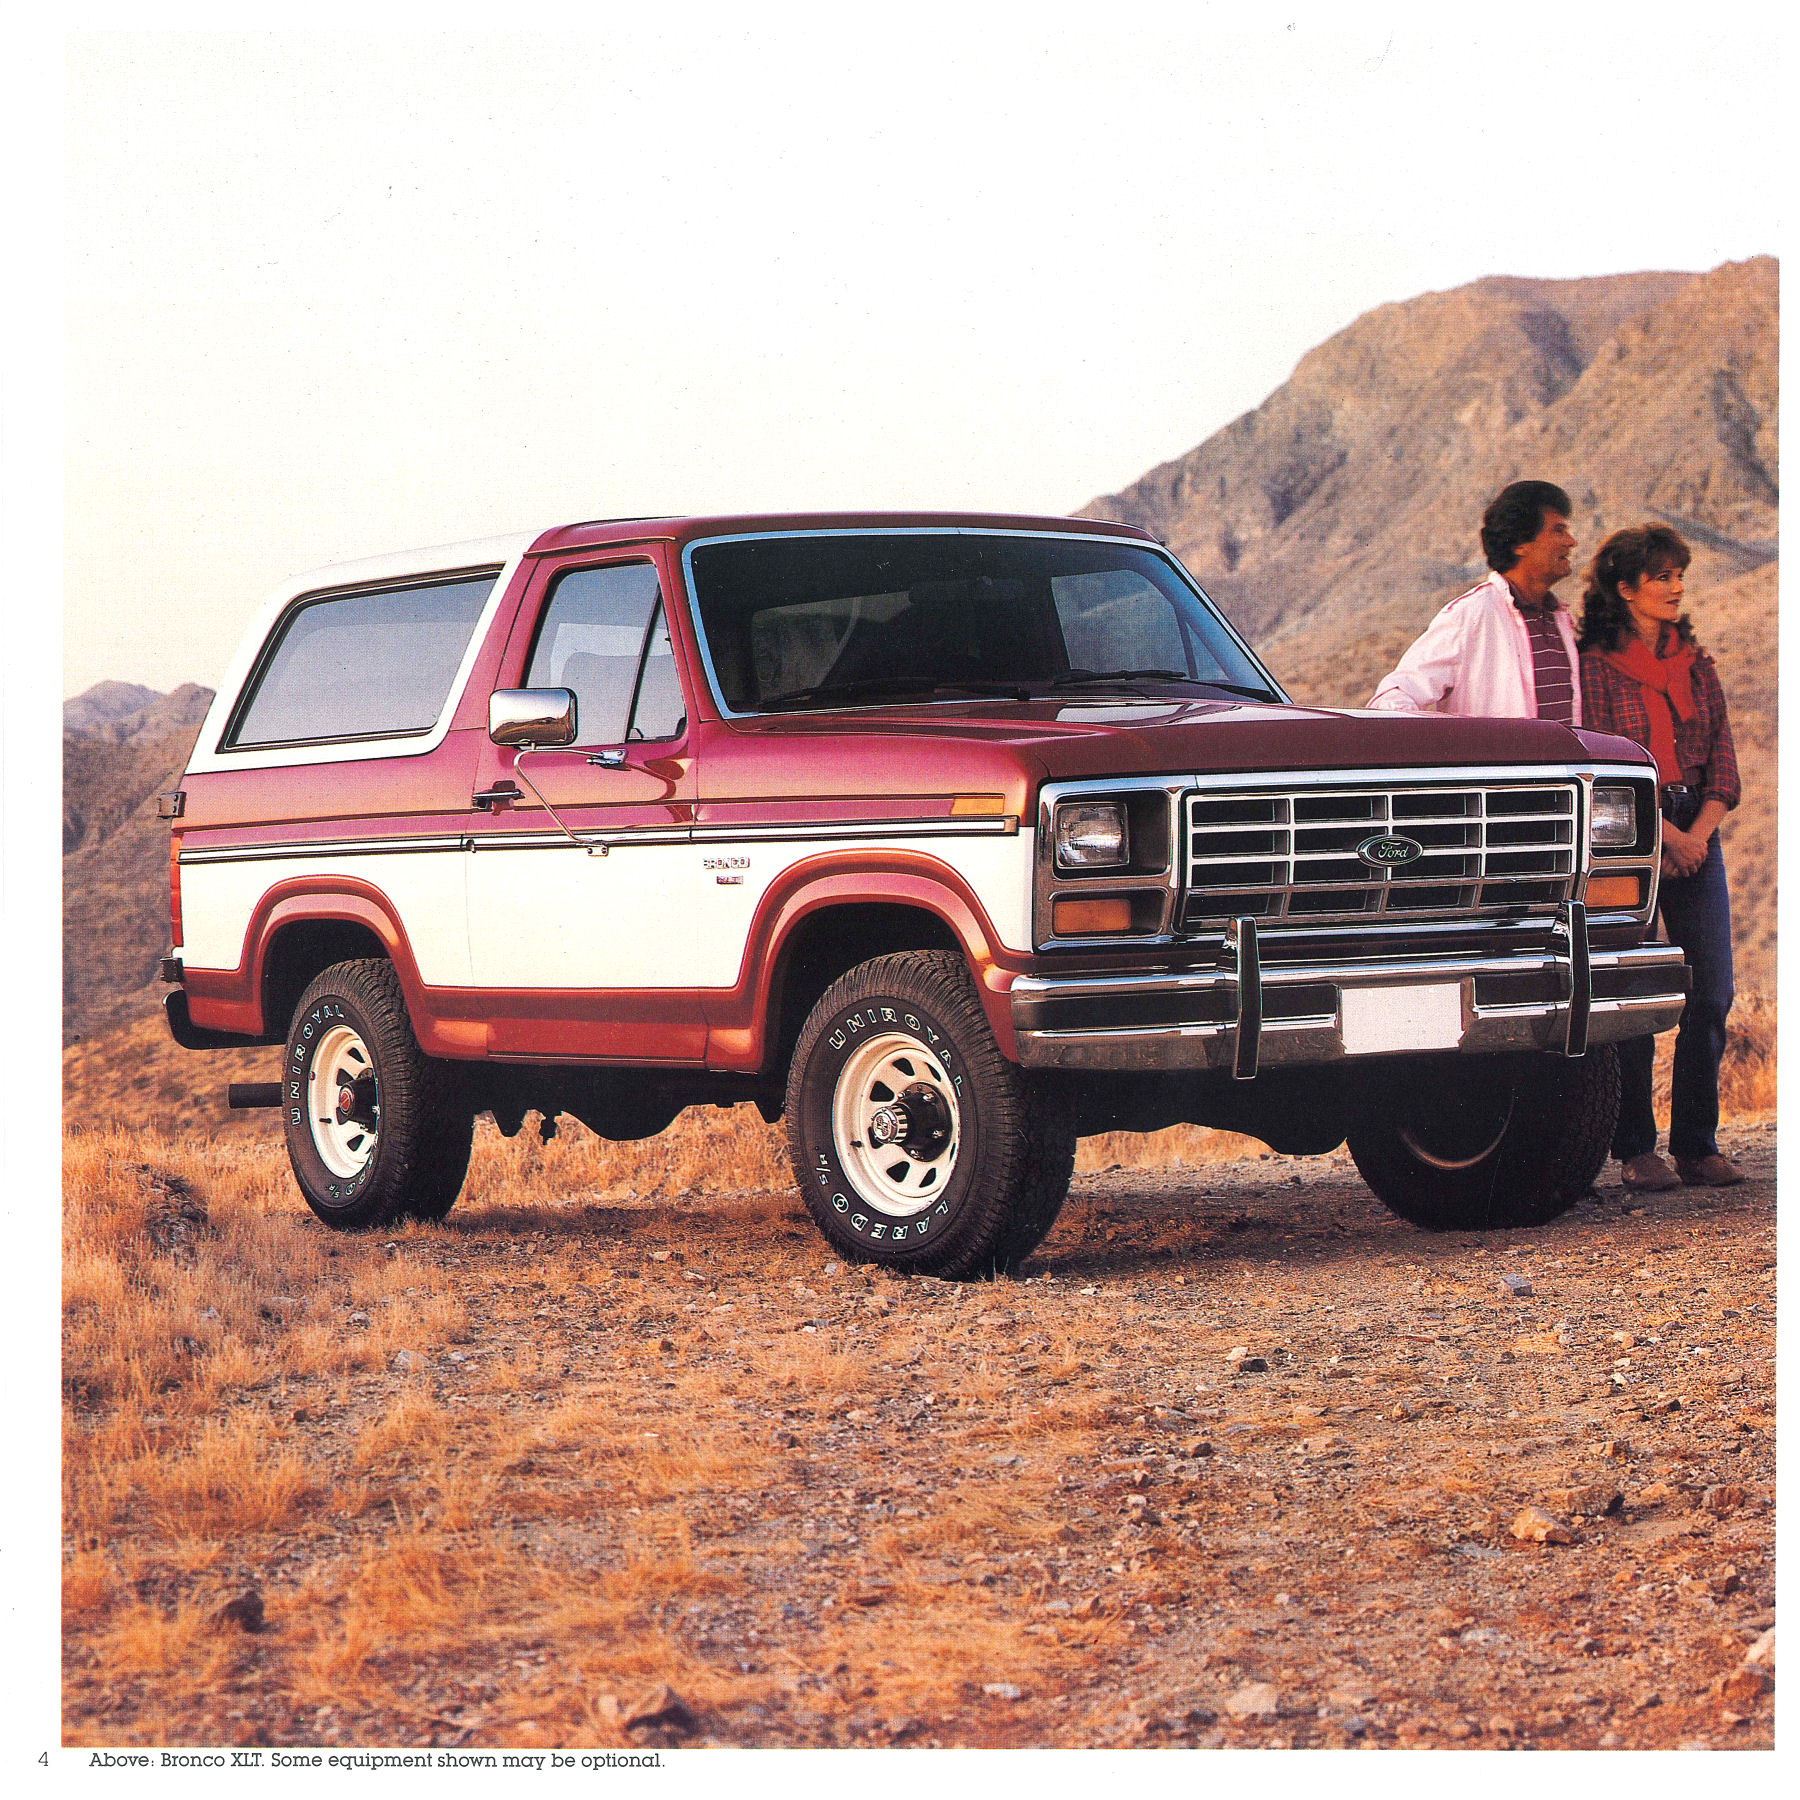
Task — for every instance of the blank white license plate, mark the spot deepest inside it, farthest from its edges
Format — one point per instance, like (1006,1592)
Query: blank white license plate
(1378,1021)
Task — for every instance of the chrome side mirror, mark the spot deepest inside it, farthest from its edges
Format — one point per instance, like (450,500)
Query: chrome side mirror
(532,717)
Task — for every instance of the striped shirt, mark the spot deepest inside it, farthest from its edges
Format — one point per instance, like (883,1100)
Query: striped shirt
(1552,669)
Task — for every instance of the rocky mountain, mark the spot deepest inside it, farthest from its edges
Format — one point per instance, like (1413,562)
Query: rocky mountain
(1333,520)
(128,744)
(105,704)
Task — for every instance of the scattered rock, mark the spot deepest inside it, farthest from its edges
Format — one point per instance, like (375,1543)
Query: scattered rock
(402,1360)
(1591,1499)
(662,1709)
(246,1611)
(1327,1444)
(868,1593)
(660,1255)
(1761,1654)
(1519,1286)
(1243,1362)
(1199,1447)
(1535,1526)
(1744,1686)
(1721,1498)
(359,1318)
(1003,1690)
(1255,1700)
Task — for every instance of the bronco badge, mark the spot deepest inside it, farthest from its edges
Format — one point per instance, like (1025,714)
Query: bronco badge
(1388,852)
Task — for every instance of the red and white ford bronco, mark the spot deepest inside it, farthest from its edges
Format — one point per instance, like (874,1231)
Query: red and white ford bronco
(954,838)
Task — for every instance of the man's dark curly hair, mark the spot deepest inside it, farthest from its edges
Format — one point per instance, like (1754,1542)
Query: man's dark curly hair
(1628,556)
(1515,516)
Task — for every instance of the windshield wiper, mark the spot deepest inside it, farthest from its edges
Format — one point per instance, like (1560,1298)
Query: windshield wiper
(876,685)
(1097,677)
(1082,677)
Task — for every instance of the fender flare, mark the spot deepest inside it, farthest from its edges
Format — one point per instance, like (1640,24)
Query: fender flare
(860,877)
(313,898)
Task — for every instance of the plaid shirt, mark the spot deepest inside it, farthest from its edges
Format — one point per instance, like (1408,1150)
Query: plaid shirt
(1612,701)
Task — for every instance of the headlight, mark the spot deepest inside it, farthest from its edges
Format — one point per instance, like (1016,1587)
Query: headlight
(1090,834)
(1614,822)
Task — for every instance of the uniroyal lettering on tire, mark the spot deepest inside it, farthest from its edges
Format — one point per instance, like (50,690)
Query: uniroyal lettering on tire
(375,1130)
(915,1143)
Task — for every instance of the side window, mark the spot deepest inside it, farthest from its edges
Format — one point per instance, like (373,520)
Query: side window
(661,712)
(602,628)
(372,664)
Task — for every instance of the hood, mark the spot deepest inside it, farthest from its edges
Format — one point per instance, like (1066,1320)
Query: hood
(1120,736)
(1011,746)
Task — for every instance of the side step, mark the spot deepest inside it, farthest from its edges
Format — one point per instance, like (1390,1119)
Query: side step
(240,1096)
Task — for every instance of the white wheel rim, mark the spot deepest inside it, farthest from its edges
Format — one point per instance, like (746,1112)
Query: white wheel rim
(344,1102)
(872,1092)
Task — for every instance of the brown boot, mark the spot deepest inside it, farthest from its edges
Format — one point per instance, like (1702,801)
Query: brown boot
(1648,1174)
(1708,1171)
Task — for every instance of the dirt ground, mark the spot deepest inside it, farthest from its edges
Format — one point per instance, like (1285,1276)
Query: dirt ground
(1237,1463)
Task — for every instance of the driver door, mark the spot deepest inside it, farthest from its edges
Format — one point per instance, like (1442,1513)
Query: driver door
(587,947)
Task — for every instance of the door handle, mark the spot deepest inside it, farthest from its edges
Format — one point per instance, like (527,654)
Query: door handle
(608,759)
(498,795)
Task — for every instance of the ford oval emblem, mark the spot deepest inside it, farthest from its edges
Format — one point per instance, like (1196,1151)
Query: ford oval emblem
(1389,852)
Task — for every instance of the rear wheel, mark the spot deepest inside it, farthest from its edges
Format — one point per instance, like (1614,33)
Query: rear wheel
(915,1143)
(1493,1143)
(375,1128)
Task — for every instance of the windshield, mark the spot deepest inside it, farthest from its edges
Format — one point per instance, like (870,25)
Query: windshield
(865,619)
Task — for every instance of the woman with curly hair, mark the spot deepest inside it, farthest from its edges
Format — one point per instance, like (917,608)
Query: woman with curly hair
(1643,676)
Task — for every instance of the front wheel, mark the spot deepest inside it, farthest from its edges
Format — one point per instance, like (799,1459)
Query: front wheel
(1486,1144)
(375,1128)
(915,1143)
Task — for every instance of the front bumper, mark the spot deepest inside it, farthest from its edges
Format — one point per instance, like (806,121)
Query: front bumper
(1244,1015)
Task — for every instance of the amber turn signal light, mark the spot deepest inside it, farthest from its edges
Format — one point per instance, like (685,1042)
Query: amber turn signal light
(1614,890)
(1082,918)
(977,806)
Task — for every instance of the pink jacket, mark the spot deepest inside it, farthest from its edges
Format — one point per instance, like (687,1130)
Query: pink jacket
(1474,657)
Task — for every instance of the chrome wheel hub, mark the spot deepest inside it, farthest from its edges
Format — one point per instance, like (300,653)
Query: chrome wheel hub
(896,1124)
(344,1102)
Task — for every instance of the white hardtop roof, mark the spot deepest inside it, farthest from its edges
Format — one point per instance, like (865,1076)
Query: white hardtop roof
(471,553)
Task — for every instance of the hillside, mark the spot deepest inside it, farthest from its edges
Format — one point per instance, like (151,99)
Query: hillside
(129,745)
(1335,518)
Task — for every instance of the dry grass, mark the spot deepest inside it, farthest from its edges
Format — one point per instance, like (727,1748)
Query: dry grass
(644,1430)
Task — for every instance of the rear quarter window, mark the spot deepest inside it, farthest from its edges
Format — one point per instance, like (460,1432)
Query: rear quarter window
(370,664)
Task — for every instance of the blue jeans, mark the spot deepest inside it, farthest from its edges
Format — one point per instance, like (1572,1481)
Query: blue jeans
(1696,914)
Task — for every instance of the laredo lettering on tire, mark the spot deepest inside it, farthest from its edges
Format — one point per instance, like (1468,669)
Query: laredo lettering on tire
(914,1142)
(375,1130)
(1488,1144)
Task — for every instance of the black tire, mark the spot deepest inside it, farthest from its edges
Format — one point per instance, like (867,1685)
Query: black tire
(403,1149)
(982,1202)
(1488,1144)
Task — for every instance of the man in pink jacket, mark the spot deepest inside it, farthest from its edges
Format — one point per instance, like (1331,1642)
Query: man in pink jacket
(1506,648)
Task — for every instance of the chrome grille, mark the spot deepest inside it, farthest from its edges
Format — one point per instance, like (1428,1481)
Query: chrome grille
(1504,848)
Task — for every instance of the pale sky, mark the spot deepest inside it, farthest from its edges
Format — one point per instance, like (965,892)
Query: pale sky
(330,295)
